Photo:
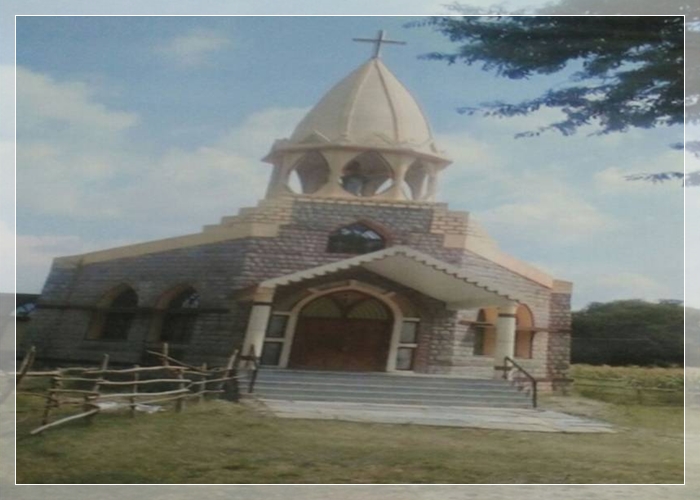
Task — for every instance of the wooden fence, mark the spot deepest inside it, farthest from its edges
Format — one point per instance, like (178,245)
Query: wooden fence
(620,391)
(92,390)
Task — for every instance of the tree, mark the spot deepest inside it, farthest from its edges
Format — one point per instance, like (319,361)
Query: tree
(631,67)
(628,332)
(628,70)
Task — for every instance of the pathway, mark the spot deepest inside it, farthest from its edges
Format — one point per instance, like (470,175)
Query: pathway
(516,419)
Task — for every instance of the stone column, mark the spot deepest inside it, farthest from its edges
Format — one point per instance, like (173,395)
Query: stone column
(431,189)
(559,344)
(505,337)
(257,321)
(399,166)
(337,160)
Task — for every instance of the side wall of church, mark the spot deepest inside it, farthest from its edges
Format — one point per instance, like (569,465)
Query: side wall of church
(71,295)
(559,346)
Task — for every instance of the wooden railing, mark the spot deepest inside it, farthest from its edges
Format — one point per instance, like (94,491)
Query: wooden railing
(509,365)
(94,389)
(253,368)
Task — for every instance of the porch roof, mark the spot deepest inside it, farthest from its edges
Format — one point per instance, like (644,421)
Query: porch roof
(416,270)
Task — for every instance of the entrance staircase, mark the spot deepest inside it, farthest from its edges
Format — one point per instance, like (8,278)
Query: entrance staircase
(383,388)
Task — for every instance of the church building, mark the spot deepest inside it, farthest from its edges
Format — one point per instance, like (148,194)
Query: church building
(349,263)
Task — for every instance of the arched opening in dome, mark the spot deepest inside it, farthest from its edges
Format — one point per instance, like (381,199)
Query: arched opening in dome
(366,175)
(416,181)
(309,175)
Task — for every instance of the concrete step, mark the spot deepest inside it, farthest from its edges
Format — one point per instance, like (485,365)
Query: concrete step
(405,387)
(384,388)
(409,401)
(378,397)
(369,378)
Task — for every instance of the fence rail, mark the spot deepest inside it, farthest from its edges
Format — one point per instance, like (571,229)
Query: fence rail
(91,388)
(620,390)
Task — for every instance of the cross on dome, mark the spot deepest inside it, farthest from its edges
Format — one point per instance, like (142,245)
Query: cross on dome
(378,42)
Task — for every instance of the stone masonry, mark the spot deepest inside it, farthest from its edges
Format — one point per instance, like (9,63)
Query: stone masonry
(296,233)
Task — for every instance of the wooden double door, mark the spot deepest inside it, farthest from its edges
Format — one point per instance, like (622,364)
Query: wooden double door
(346,331)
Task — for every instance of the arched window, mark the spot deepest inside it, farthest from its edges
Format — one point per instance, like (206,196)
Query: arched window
(113,318)
(179,317)
(356,238)
(485,332)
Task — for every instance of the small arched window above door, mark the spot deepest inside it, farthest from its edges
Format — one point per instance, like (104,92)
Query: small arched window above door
(357,238)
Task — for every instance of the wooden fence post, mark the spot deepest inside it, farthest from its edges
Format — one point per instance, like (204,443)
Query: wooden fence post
(135,390)
(165,354)
(51,398)
(96,387)
(27,363)
(203,385)
(180,402)
(232,370)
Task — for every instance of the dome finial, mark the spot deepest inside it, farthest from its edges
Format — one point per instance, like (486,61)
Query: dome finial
(378,42)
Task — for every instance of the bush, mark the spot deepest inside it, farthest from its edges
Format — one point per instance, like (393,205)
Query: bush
(628,332)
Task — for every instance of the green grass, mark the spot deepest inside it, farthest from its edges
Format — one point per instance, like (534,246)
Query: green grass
(220,442)
(629,384)
(638,376)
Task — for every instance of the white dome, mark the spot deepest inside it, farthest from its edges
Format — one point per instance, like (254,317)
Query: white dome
(369,108)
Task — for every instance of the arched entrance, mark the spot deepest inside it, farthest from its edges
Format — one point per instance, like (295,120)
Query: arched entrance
(346,330)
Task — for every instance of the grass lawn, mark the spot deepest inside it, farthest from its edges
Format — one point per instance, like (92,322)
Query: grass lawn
(220,442)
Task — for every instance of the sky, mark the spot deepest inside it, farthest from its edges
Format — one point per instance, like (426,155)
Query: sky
(131,129)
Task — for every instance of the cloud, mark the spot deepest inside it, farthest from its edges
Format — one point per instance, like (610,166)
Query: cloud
(613,179)
(626,285)
(468,153)
(189,187)
(43,100)
(530,122)
(93,174)
(542,207)
(35,254)
(89,176)
(192,49)
(67,139)
(7,101)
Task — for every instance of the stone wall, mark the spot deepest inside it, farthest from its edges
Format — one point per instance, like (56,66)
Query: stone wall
(559,345)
